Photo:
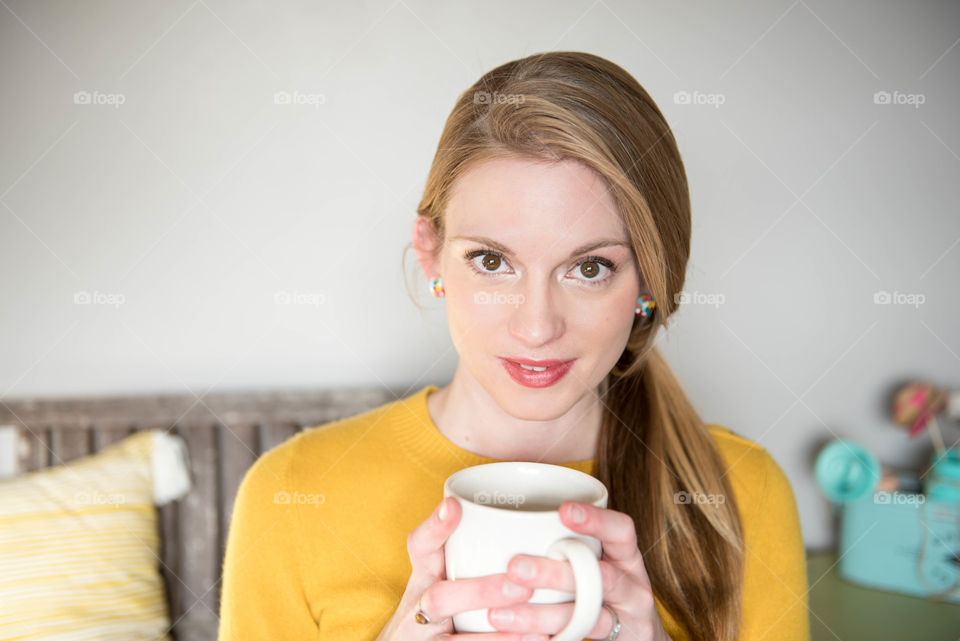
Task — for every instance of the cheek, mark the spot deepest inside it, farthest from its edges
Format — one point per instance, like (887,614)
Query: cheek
(474,311)
(606,331)
(605,316)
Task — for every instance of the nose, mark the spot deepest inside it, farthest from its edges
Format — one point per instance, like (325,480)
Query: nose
(537,319)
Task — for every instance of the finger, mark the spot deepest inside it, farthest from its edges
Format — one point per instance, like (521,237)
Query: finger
(425,543)
(546,617)
(445,598)
(618,586)
(616,530)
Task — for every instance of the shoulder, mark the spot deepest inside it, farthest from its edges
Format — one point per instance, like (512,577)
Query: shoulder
(270,471)
(333,439)
(737,449)
(753,472)
(318,447)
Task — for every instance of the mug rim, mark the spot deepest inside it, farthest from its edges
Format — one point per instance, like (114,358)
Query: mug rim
(602,499)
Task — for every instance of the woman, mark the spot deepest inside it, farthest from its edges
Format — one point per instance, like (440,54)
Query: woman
(556,224)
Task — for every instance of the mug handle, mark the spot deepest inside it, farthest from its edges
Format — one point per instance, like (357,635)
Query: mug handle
(589,594)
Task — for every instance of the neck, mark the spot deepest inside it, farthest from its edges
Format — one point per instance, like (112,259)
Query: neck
(466,414)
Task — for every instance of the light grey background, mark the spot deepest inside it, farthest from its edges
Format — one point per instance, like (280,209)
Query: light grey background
(190,210)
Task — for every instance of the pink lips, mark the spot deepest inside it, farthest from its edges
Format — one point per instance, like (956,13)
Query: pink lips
(556,369)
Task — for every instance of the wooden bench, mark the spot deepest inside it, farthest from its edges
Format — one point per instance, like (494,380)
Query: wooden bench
(224,434)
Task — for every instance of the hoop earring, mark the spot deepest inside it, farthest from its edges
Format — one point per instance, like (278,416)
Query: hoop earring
(645,306)
(436,287)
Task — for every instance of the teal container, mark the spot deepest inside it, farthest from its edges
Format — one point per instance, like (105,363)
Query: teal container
(901,542)
(943,483)
(845,471)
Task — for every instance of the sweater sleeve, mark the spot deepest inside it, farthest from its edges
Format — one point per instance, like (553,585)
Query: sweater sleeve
(775,582)
(263,595)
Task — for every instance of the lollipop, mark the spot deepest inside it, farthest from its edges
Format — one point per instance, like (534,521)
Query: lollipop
(915,405)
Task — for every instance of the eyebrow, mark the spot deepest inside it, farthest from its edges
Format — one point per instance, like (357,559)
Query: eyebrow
(579,250)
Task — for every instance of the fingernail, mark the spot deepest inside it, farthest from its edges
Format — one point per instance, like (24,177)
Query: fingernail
(534,637)
(577,514)
(525,569)
(500,615)
(512,589)
(443,510)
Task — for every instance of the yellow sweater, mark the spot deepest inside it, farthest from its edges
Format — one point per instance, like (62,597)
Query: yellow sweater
(317,542)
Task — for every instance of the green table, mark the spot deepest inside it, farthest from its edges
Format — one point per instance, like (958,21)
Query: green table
(846,611)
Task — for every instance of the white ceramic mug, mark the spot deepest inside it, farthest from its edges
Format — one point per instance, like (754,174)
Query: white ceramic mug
(511,508)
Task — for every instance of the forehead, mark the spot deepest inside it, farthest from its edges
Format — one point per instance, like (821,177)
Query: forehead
(528,201)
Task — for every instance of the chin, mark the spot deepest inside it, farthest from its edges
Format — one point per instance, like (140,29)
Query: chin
(535,404)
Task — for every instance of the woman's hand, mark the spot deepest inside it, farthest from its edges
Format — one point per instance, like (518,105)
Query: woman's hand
(439,598)
(626,586)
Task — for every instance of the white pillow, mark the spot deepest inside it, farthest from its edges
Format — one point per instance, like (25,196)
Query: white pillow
(79,545)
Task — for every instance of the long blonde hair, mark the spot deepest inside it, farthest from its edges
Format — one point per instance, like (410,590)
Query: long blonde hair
(653,445)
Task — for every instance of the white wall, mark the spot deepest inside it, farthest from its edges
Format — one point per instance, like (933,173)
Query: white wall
(199,199)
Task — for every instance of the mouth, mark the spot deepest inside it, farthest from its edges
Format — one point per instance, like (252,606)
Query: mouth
(537,374)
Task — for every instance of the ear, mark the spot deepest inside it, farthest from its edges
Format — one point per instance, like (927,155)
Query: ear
(426,242)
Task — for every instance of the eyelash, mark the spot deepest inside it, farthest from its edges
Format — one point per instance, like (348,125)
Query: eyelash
(590,282)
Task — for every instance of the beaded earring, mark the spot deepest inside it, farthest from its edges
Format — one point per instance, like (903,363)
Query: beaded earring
(645,305)
(436,287)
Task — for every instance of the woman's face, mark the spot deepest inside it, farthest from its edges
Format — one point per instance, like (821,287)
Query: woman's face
(521,285)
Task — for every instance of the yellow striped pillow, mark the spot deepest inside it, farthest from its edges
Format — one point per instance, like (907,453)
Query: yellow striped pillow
(79,547)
